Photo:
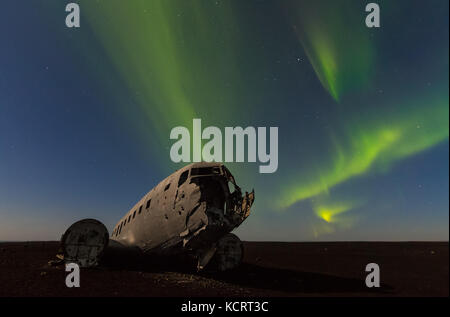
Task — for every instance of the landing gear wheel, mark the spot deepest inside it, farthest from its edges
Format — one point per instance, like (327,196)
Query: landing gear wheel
(84,242)
(229,254)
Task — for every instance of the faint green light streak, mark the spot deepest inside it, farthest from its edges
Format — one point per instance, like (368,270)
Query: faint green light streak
(174,56)
(371,146)
(339,46)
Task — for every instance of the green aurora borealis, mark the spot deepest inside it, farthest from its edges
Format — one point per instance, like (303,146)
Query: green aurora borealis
(180,58)
(361,112)
(174,54)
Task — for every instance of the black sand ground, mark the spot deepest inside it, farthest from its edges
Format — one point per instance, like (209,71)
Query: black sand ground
(269,269)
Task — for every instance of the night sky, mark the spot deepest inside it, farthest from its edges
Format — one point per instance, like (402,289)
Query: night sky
(363,113)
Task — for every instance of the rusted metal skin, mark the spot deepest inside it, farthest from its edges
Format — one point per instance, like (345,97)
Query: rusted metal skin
(191,211)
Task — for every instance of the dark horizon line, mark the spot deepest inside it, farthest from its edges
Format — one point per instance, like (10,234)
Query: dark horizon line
(279,241)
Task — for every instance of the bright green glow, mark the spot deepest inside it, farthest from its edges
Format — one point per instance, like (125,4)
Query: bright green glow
(332,216)
(374,146)
(329,213)
(338,46)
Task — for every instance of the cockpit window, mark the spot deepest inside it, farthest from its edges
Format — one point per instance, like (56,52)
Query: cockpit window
(205,171)
(183,178)
(167,187)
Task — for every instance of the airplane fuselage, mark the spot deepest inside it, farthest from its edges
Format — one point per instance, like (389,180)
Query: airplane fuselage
(192,211)
(189,209)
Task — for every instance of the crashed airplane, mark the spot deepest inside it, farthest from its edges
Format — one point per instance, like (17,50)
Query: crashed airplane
(192,212)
